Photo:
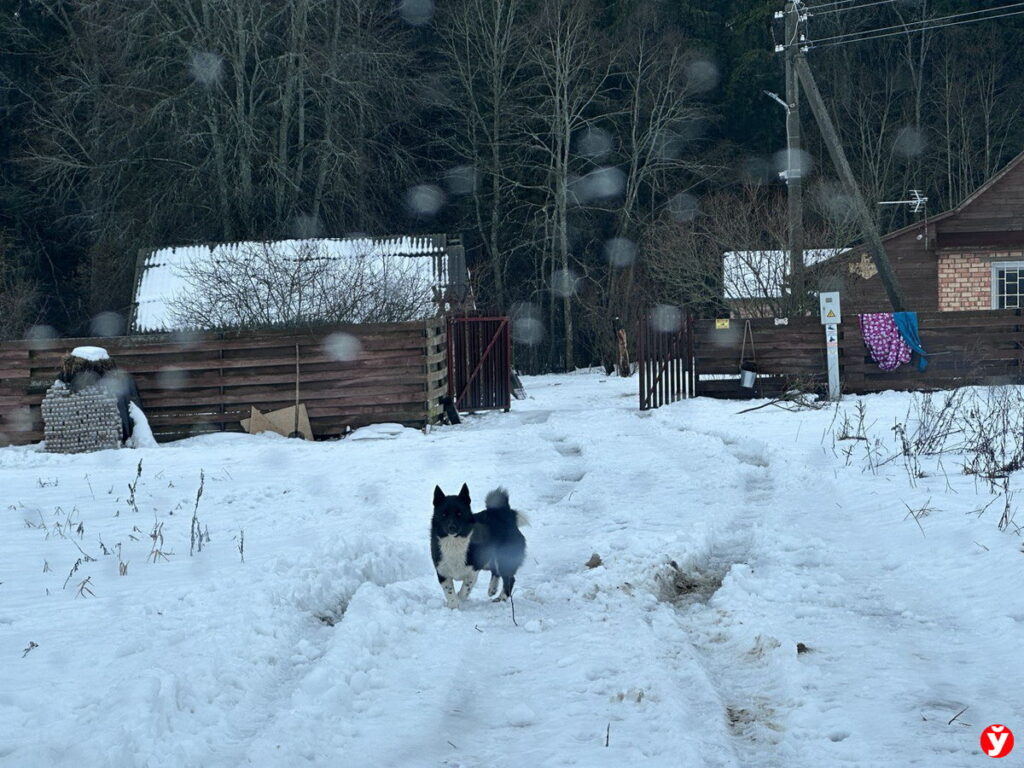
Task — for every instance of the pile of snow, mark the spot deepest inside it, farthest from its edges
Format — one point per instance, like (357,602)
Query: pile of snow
(766,594)
(142,433)
(92,354)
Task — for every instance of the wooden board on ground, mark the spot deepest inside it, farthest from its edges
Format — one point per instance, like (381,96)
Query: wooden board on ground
(281,421)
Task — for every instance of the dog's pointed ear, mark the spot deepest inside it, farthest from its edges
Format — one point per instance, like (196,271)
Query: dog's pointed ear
(438,495)
(464,494)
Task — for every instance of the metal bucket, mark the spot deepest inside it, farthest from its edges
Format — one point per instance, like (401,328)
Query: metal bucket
(748,374)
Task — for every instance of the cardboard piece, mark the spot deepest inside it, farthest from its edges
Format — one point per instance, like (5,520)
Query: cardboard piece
(281,421)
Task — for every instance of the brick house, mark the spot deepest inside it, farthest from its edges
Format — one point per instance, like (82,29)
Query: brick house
(968,258)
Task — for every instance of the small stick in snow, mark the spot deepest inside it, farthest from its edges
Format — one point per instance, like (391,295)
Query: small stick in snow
(83,588)
(916,514)
(755,408)
(607,734)
(31,645)
(513,604)
(957,715)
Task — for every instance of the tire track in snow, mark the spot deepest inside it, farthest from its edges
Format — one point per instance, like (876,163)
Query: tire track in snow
(738,661)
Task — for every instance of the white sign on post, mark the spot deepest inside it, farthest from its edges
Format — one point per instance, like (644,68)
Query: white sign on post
(831,316)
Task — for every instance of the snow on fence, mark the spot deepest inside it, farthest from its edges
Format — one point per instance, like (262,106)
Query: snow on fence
(349,376)
(980,347)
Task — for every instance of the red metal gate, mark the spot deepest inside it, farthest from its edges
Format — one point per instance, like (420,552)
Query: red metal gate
(480,363)
(664,356)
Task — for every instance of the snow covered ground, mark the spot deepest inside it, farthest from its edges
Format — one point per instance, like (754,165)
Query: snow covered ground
(764,599)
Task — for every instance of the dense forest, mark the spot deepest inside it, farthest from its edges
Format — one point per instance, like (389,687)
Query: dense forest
(591,154)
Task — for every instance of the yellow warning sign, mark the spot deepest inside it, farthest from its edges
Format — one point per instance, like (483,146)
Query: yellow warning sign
(722,324)
(830,313)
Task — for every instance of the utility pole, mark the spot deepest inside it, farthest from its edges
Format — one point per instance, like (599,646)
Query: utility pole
(798,72)
(794,182)
(835,149)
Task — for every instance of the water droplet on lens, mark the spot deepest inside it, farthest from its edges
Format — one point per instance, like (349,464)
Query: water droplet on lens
(343,347)
(416,12)
(620,251)
(666,318)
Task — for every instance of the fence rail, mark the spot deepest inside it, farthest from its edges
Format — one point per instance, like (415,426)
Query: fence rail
(208,382)
(963,348)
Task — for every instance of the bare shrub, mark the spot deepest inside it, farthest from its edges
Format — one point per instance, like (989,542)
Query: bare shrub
(993,428)
(266,284)
(686,257)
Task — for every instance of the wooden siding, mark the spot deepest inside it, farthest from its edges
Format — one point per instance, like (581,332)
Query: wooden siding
(208,382)
(915,266)
(997,207)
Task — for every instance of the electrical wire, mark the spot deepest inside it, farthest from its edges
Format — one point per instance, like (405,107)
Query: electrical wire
(812,12)
(826,5)
(901,28)
(818,44)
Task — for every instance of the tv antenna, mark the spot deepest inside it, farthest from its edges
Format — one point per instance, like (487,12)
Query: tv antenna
(916,202)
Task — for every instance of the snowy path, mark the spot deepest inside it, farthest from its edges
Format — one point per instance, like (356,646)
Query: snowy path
(726,541)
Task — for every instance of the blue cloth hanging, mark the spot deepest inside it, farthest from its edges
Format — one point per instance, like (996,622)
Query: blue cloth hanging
(907,324)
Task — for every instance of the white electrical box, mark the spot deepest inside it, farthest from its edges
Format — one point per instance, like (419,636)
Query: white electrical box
(830,311)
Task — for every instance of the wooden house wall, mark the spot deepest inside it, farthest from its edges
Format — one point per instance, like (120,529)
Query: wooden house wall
(998,207)
(915,266)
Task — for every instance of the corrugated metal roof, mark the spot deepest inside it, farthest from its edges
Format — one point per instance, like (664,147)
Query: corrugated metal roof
(162,273)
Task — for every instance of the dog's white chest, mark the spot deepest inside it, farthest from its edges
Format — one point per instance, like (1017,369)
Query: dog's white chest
(453,557)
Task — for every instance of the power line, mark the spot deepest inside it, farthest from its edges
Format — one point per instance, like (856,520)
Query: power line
(818,44)
(826,5)
(902,28)
(813,12)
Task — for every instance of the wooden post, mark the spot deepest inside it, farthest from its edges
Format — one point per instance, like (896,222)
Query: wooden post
(867,224)
(794,182)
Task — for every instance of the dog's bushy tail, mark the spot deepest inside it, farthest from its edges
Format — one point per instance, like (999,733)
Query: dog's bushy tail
(497,501)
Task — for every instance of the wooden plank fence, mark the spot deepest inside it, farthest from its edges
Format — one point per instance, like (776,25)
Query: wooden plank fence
(785,355)
(963,348)
(207,382)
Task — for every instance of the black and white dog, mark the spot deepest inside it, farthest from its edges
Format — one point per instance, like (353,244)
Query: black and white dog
(462,543)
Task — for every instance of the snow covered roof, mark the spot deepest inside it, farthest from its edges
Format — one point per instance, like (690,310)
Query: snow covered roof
(761,274)
(162,273)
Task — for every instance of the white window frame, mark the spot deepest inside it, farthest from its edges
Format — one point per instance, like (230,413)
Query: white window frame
(996,266)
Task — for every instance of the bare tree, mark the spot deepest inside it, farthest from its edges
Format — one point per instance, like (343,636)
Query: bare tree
(198,120)
(977,108)
(658,115)
(733,256)
(256,285)
(19,296)
(484,46)
(572,68)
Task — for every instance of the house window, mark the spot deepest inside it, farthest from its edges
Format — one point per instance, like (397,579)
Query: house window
(1008,285)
